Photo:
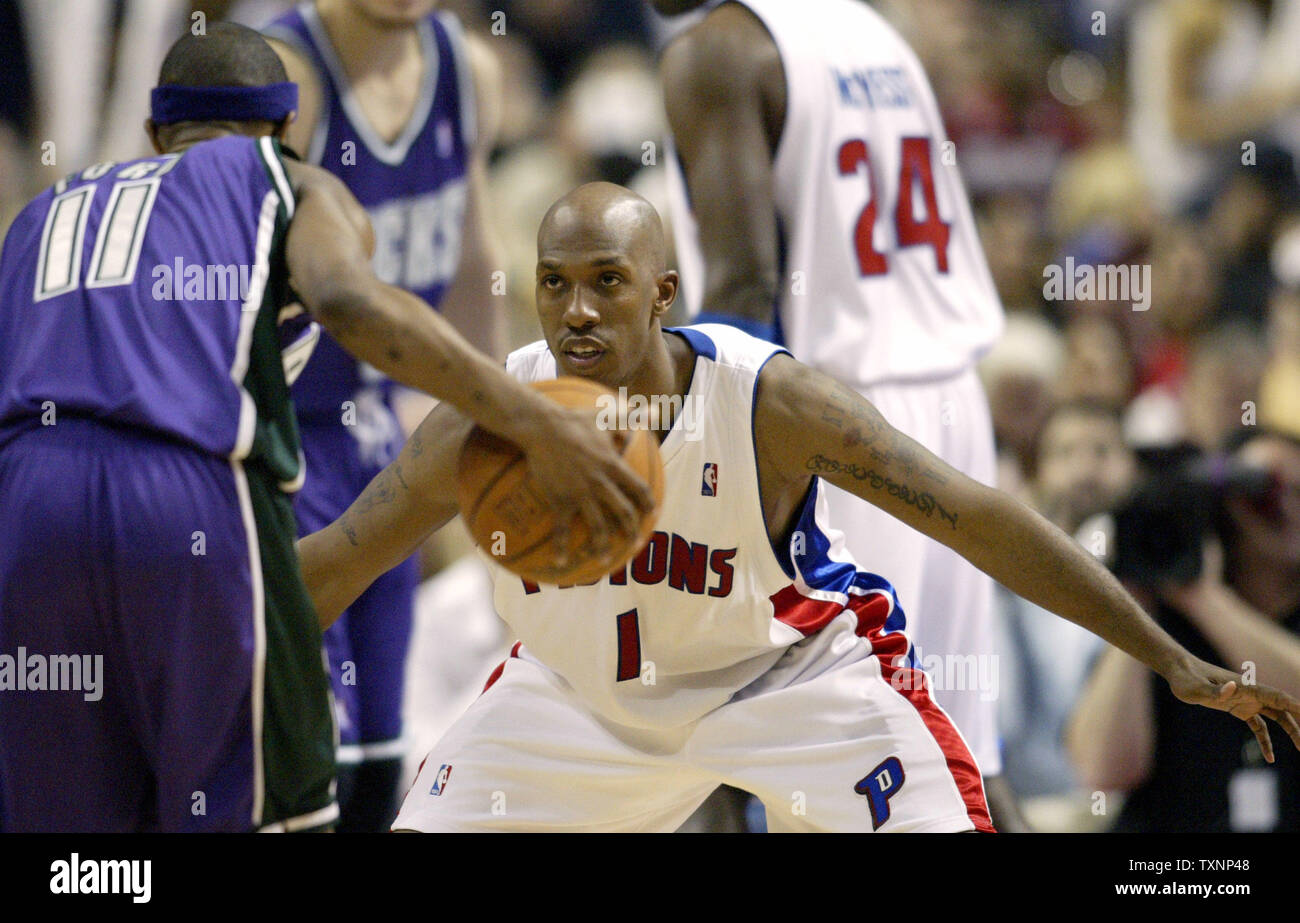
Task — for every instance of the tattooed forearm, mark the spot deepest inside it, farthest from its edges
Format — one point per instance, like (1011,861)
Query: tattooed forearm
(924,501)
(345,523)
(377,493)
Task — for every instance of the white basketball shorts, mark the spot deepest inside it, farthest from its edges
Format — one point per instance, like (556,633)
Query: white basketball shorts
(830,739)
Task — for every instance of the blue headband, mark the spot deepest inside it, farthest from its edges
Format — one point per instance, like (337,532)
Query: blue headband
(270,103)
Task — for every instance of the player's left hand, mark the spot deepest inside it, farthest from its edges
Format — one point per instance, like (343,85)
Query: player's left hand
(1199,683)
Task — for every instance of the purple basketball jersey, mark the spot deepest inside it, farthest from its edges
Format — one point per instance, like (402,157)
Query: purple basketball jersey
(145,294)
(414,189)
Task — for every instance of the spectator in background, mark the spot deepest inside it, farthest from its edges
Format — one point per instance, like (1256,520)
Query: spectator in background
(1206,75)
(1223,375)
(1127,734)
(1279,389)
(1098,365)
(1083,468)
(1011,232)
(1243,221)
(564,32)
(93,63)
(1019,376)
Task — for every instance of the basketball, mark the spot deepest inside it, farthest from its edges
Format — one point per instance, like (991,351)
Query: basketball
(508,517)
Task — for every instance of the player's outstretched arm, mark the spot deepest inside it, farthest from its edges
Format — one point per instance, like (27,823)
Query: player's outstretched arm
(576,466)
(808,424)
(400,508)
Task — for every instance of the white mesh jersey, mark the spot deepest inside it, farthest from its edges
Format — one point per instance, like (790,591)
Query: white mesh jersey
(883,275)
(706,607)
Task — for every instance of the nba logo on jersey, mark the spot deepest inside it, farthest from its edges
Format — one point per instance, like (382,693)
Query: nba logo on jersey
(709,488)
(440,780)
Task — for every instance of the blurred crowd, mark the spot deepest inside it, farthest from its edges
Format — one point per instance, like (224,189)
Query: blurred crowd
(1160,136)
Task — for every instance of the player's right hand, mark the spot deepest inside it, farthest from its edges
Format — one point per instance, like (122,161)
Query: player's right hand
(581,474)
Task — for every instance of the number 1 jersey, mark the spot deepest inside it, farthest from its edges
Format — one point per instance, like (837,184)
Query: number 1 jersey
(708,605)
(882,274)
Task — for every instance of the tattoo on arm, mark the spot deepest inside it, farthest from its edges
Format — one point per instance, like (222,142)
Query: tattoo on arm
(377,493)
(349,530)
(924,501)
(862,424)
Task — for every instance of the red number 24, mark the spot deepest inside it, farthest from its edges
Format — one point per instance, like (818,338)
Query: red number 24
(914,164)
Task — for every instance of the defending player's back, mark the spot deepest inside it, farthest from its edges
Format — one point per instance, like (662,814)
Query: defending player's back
(121,306)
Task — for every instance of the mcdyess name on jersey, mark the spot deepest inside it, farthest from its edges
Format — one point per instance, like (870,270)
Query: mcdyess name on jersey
(874,88)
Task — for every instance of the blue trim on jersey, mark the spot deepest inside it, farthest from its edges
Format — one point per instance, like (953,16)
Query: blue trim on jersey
(699,341)
(822,573)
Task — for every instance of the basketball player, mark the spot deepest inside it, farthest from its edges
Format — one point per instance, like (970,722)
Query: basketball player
(820,210)
(743,644)
(160,664)
(392,103)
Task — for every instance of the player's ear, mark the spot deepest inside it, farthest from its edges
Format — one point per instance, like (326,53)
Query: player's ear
(151,130)
(667,291)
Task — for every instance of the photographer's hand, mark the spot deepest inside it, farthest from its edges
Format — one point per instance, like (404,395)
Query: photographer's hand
(1199,683)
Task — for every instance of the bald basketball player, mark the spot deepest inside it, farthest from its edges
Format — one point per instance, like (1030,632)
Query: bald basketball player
(743,644)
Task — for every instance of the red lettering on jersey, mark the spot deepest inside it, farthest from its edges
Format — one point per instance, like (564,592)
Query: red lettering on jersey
(688,565)
(651,565)
(914,166)
(719,563)
(933,231)
(871,262)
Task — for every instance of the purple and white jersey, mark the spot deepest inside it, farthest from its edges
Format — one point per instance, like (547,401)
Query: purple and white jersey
(147,294)
(414,188)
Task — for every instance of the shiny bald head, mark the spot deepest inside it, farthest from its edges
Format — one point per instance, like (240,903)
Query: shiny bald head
(605,217)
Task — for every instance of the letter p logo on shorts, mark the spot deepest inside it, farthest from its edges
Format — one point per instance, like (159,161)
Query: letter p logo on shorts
(879,785)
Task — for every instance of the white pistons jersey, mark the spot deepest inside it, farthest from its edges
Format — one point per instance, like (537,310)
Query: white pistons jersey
(882,274)
(708,606)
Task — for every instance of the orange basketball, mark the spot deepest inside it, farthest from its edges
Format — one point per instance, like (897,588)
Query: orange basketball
(507,515)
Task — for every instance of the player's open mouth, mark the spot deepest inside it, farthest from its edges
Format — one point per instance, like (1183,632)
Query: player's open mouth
(583,353)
